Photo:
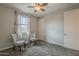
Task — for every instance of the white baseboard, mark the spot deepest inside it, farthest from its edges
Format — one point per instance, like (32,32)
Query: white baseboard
(5,48)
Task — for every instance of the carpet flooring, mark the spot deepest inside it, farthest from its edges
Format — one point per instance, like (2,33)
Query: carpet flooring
(44,49)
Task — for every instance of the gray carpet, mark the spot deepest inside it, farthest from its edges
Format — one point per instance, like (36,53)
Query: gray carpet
(45,49)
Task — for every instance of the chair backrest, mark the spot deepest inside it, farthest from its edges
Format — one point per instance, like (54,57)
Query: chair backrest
(26,38)
(15,38)
(33,35)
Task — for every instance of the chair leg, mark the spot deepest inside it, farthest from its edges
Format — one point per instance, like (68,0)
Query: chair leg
(14,47)
(35,42)
(19,48)
(29,44)
(24,45)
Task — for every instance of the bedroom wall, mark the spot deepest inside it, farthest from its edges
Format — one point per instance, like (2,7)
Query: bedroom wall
(51,28)
(7,21)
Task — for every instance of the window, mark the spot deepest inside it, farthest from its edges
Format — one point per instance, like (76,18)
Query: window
(23,25)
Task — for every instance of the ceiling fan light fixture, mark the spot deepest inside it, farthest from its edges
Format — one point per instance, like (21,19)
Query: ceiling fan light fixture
(38,8)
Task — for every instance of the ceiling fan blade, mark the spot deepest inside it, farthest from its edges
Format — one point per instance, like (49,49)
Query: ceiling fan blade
(30,6)
(42,9)
(44,4)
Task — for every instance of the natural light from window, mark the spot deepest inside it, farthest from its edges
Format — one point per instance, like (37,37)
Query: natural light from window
(23,26)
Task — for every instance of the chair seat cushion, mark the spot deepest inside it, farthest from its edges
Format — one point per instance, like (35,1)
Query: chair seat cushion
(21,42)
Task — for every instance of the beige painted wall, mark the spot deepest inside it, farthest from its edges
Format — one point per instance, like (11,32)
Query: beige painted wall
(34,25)
(7,21)
(51,28)
(71,29)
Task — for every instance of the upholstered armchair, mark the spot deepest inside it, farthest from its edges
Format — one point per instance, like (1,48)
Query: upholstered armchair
(32,37)
(18,41)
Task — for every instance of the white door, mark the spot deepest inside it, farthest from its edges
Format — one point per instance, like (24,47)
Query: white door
(69,30)
(77,28)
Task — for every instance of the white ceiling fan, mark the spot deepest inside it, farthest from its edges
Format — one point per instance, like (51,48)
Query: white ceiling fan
(38,6)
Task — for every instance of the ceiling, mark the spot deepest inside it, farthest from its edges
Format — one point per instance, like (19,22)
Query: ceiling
(50,8)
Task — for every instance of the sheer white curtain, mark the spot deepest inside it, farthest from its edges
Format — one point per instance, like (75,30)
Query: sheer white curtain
(22,25)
